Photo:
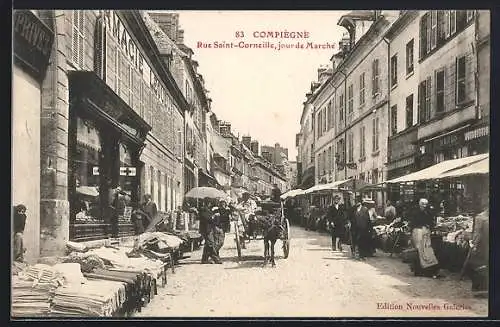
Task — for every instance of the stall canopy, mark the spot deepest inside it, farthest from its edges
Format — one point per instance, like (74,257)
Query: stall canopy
(481,167)
(436,171)
(292,193)
(326,187)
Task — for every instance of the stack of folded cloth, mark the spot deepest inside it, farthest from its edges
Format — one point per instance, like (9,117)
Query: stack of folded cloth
(32,289)
(95,298)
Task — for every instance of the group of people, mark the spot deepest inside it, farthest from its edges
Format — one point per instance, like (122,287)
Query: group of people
(352,225)
(355,225)
(215,219)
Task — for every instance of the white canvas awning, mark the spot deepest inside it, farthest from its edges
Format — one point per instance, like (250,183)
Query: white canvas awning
(481,167)
(436,171)
(292,193)
(323,187)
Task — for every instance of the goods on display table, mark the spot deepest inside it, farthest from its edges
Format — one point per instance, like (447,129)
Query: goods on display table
(92,282)
(450,239)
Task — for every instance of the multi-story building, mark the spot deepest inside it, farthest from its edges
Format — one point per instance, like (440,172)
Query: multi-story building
(168,195)
(403,98)
(277,153)
(109,108)
(184,70)
(442,74)
(291,174)
(351,106)
(305,143)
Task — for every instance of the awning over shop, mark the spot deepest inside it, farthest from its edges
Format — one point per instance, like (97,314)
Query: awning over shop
(325,187)
(436,171)
(481,167)
(292,193)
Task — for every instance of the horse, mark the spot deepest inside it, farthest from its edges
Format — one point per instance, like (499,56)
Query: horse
(270,221)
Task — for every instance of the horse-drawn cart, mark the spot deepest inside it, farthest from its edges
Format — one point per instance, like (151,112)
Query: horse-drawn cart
(269,224)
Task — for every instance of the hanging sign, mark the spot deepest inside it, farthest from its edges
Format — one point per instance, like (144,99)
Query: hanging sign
(127,171)
(95,171)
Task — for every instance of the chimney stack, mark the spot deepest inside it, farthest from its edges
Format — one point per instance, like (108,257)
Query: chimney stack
(168,22)
(246,140)
(180,36)
(254,147)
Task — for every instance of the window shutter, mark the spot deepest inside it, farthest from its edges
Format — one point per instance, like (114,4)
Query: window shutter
(423,35)
(429,96)
(81,39)
(420,102)
(74,37)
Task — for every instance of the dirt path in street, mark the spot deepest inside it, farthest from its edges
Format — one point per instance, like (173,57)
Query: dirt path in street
(312,282)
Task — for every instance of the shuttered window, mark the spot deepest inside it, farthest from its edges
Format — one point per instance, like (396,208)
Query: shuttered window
(409,111)
(461,95)
(78,38)
(350,94)
(375,77)
(111,65)
(362,89)
(362,142)
(440,91)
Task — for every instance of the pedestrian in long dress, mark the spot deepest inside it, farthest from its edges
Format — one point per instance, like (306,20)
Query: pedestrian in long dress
(150,209)
(421,222)
(208,233)
(336,220)
(363,230)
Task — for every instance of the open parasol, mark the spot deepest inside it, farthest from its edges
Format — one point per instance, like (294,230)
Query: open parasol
(205,192)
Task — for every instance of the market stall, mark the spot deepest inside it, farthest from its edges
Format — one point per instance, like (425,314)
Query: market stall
(454,225)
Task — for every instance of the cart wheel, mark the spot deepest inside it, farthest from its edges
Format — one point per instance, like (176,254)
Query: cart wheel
(286,239)
(237,239)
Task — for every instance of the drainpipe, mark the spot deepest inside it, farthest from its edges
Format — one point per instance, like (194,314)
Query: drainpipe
(389,86)
(476,54)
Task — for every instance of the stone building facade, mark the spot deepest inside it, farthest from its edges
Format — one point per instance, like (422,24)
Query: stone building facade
(34,156)
(108,139)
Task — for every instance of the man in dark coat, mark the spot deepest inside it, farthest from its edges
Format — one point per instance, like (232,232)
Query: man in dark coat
(276,193)
(479,259)
(149,208)
(336,217)
(363,230)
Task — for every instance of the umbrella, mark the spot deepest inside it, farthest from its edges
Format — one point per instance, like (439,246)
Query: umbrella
(205,192)
(88,190)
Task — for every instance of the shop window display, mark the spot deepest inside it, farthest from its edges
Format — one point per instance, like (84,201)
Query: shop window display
(123,197)
(86,214)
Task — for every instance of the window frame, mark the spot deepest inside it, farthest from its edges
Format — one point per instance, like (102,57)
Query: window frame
(394,70)
(394,120)
(407,110)
(362,86)
(350,99)
(434,29)
(440,93)
(362,148)
(458,80)
(78,28)
(375,78)
(410,66)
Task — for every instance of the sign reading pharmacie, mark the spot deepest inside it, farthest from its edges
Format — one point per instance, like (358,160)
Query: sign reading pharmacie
(32,42)
(117,30)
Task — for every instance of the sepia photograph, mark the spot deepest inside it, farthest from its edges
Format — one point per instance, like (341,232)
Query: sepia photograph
(244,164)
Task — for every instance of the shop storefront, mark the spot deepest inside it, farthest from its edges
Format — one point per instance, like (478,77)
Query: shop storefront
(32,45)
(106,138)
(466,140)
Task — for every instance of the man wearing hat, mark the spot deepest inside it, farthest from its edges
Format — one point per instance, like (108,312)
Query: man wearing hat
(336,221)
(362,228)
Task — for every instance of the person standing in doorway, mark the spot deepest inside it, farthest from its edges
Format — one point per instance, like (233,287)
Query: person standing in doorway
(336,220)
(19,225)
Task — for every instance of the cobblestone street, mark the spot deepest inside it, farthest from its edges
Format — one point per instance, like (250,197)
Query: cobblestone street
(313,281)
